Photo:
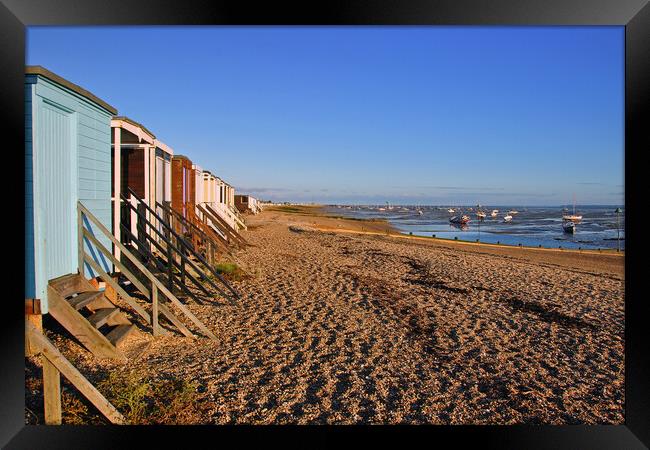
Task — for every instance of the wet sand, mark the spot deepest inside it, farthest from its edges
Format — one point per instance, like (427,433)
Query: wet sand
(347,327)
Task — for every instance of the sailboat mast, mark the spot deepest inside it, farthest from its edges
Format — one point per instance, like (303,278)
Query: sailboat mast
(574,204)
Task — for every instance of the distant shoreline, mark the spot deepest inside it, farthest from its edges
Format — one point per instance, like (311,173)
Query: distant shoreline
(382,227)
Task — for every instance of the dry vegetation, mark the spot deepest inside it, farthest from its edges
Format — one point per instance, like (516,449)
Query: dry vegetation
(140,399)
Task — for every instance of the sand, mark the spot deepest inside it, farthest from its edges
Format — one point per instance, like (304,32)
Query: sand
(346,327)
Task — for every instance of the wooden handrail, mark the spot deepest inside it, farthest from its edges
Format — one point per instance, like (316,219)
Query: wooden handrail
(146,272)
(188,247)
(213,215)
(218,223)
(126,297)
(61,364)
(220,241)
(187,260)
(147,254)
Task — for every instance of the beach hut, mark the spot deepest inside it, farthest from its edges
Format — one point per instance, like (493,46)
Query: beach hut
(209,188)
(183,186)
(67,160)
(141,163)
(229,199)
(246,204)
(164,156)
(227,207)
(198,185)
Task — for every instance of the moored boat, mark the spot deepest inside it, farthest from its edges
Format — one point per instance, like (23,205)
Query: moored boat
(507,218)
(572,218)
(462,220)
(569,227)
(481,215)
(494,212)
(575,218)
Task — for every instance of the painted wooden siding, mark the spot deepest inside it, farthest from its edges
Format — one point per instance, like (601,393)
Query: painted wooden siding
(168,180)
(199,190)
(30,289)
(90,174)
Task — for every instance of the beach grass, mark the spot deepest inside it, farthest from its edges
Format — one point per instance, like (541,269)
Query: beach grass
(230,271)
(142,401)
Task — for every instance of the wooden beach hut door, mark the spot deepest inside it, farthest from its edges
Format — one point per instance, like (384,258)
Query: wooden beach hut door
(55,195)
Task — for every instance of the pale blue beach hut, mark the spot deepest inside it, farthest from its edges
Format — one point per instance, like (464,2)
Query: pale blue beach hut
(67,159)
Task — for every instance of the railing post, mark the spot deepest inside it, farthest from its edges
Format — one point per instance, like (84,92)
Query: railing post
(154,308)
(51,392)
(170,263)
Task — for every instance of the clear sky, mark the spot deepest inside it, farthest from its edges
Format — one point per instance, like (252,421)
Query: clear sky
(421,115)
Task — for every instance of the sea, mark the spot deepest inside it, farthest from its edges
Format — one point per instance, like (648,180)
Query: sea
(530,227)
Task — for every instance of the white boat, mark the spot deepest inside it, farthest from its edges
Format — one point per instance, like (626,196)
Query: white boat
(572,217)
(494,212)
(507,218)
(481,215)
(419,212)
(569,227)
(451,211)
(513,212)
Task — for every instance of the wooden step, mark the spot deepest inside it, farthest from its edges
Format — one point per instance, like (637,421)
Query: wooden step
(67,284)
(102,316)
(117,334)
(89,336)
(84,299)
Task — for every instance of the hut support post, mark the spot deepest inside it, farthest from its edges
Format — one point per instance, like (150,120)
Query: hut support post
(134,217)
(117,188)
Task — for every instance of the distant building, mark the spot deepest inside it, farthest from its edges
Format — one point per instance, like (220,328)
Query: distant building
(247,204)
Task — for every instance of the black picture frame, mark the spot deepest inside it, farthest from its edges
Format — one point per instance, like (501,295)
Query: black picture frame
(15,15)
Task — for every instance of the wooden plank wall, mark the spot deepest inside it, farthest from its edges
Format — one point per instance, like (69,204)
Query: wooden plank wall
(133,171)
(183,185)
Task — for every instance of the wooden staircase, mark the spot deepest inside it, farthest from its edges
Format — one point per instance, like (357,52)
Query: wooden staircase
(89,315)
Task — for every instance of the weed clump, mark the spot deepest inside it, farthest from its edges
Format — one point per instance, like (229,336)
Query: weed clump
(143,402)
(230,271)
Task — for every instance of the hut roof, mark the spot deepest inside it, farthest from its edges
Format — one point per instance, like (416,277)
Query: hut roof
(42,71)
(135,124)
(164,147)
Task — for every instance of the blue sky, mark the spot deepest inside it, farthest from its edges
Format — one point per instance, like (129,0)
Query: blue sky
(428,115)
